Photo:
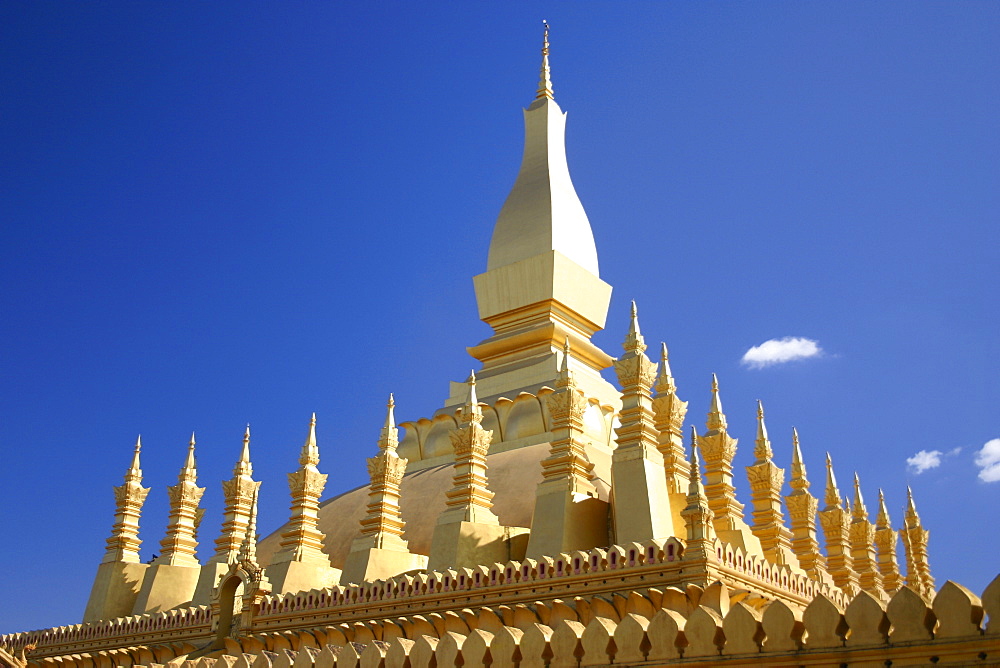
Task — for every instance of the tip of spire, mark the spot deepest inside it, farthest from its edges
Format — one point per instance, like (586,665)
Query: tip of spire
(191,442)
(633,340)
(715,383)
(760,410)
(663,352)
(390,419)
(135,453)
(545,80)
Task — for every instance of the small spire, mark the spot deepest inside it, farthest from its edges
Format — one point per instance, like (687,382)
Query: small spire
(135,455)
(832,493)
(695,486)
(389,438)
(565,376)
(798,480)
(883,513)
(545,81)
(716,418)
(243,466)
(634,343)
(248,550)
(189,465)
(310,451)
(665,380)
(858,511)
(472,412)
(911,508)
(390,418)
(763,451)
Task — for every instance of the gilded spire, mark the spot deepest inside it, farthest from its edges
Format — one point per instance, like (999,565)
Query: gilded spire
(123,545)
(179,545)
(565,376)
(837,531)
(545,81)
(389,437)
(885,540)
(239,492)
(470,500)
(243,466)
(189,463)
(310,452)
(472,411)
(832,493)
(248,549)
(719,450)
(716,418)
(664,380)
(799,480)
(858,509)
(695,486)
(762,451)
(634,477)
(911,508)
(668,414)
(697,514)
(302,540)
(634,343)
(134,469)
(802,508)
(382,526)
(862,535)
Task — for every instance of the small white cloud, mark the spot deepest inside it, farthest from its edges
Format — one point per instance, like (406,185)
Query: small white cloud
(988,461)
(954,451)
(778,351)
(924,460)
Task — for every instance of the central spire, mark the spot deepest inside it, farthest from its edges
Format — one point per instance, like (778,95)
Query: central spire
(541,283)
(542,212)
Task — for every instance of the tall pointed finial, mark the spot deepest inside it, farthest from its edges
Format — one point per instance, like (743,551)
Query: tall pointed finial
(762,450)
(716,418)
(799,480)
(472,411)
(135,455)
(664,380)
(882,520)
(859,511)
(634,343)
(310,451)
(564,378)
(545,82)
(832,493)
(389,438)
(248,550)
(189,465)
(695,471)
(911,508)
(243,465)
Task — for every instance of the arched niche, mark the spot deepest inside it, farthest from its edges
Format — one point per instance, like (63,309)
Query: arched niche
(437,442)
(491,422)
(524,418)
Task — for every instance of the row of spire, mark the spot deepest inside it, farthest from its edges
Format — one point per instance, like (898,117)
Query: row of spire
(860,554)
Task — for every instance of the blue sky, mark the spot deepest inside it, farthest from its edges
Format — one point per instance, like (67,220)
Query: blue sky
(214,214)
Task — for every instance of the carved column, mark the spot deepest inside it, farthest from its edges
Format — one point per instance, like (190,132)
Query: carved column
(641,501)
(668,417)
(885,539)
(836,529)
(766,480)
(802,508)
(863,545)
(719,449)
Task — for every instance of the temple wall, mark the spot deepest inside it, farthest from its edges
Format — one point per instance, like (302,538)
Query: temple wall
(587,608)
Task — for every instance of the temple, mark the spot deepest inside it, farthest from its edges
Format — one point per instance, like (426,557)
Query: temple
(543,516)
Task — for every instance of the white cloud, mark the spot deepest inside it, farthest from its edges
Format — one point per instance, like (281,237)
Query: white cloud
(778,351)
(988,461)
(924,460)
